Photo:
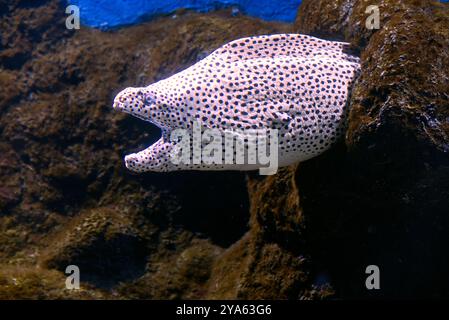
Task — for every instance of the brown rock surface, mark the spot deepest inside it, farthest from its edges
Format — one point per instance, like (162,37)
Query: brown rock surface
(383,197)
(66,197)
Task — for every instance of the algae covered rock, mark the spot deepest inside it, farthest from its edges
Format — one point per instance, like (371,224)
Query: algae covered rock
(179,274)
(10,191)
(271,260)
(67,198)
(379,197)
(18,283)
(382,198)
(103,244)
(347,19)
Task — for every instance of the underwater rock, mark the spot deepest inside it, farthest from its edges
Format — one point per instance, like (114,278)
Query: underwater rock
(346,19)
(63,147)
(21,283)
(26,26)
(180,274)
(379,197)
(270,261)
(120,13)
(10,190)
(382,198)
(103,243)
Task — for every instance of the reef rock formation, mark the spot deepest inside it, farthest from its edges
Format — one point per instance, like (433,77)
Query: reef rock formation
(383,197)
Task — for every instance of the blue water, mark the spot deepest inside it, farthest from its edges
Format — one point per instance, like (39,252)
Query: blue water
(113,13)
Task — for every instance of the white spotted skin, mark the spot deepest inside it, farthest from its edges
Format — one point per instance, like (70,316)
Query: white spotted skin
(294,83)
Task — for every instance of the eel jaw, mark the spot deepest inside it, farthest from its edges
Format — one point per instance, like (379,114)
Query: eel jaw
(156,158)
(135,101)
(131,162)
